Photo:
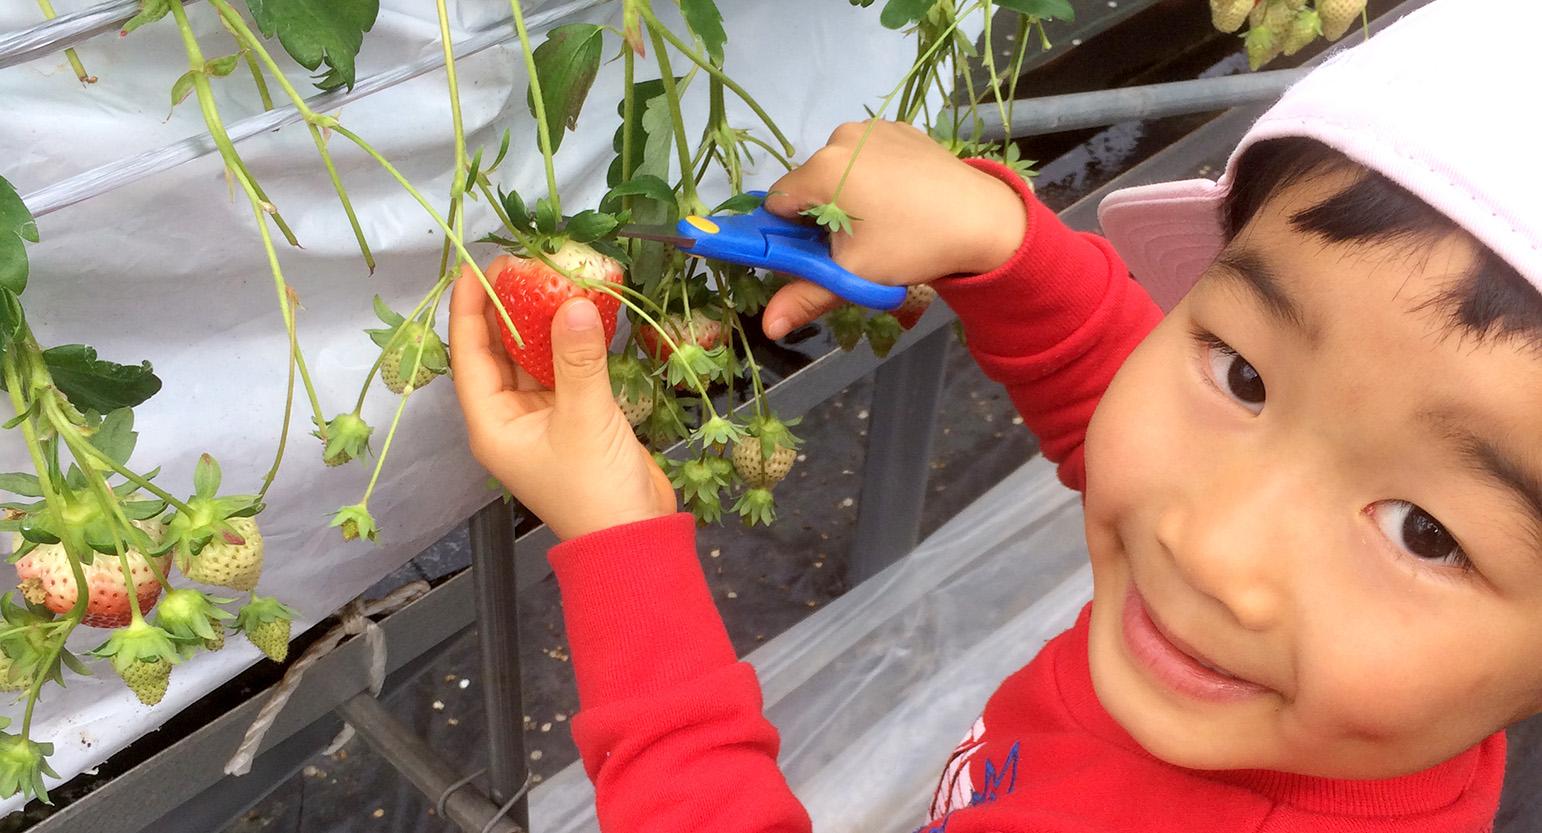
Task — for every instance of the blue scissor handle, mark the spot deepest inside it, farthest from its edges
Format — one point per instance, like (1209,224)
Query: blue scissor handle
(764,240)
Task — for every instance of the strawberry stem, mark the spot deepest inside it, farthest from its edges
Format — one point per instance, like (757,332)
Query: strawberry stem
(713,70)
(543,127)
(75,64)
(945,37)
(672,93)
(610,289)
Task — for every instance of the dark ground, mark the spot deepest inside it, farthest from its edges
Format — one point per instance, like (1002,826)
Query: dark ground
(765,580)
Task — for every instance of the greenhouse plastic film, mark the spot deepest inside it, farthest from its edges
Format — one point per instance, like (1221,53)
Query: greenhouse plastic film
(871,693)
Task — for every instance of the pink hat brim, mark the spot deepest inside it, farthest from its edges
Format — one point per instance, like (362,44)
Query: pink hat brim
(1168,233)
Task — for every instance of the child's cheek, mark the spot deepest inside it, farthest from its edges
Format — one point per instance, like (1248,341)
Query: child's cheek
(1138,443)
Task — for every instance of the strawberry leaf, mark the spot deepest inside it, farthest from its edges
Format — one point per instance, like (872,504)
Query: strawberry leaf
(901,13)
(16,225)
(831,217)
(739,204)
(316,32)
(21,483)
(93,384)
(1041,9)
(704,19)
(566,64)
(646,186)
(149,12)
(589,226)
(183,88)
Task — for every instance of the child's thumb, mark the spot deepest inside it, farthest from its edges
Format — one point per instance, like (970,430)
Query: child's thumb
(579,355)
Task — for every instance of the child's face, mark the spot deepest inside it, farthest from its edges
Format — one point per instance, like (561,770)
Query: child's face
(1294,501)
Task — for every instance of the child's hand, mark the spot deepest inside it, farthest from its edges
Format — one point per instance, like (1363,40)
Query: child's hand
(569,455)
(918,214)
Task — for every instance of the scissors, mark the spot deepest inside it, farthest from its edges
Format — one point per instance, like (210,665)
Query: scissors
(763,240)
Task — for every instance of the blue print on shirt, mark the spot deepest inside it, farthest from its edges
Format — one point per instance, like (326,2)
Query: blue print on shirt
(995,778)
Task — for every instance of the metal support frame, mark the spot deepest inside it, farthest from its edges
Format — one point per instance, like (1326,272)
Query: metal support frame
(425,768)
(492,565)
(906,395)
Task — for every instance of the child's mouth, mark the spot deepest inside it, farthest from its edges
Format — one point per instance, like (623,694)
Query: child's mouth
(1176,665)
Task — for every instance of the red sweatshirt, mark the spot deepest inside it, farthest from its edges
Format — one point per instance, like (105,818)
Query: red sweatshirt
(671,728)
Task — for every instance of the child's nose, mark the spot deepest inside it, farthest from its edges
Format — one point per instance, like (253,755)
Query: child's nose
(1236,539)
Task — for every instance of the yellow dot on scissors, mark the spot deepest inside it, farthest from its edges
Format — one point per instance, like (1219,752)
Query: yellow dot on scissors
(702,223)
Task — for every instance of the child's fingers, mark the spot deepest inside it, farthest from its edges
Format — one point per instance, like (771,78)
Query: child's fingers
(796,304)
(473,353)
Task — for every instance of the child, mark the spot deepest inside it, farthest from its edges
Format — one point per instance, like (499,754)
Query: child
(1313,489)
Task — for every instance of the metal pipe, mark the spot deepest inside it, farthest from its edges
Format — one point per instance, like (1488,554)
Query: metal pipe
(420,764)
(1075,111)
(104,178)
(907,392)
(492,569)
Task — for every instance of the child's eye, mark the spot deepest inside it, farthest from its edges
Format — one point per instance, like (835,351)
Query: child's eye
(1418,533)
(1233,374)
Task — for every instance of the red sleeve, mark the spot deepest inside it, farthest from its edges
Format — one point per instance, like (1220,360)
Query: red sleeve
(1053,324)
(670,723)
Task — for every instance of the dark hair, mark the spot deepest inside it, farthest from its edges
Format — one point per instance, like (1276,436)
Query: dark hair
(1492,301)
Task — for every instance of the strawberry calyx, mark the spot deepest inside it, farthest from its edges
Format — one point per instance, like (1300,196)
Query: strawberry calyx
(356,522)
(773,434)
(189,615)
(28,634)
(718,430)
(139,641)
(263,609)
(207,515)
(845,323)
(23,763)
(346,437)
(757,506)
(883,332)
(412,354)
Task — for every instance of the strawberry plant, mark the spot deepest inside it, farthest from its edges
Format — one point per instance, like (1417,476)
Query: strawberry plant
(98,540)
(1285,27)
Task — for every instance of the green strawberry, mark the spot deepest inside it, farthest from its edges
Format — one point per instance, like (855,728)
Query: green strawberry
(217,641)
(13,677)
(23,763)
(148,679)
(407,346)
(765,456)
(192,618)
(1338,16)
(1261,46)
(1303,30)
(347,437)
(356,522)
(233,559)
(1229,15)
(267,622)
(142,654)
(883,332)
(632,387)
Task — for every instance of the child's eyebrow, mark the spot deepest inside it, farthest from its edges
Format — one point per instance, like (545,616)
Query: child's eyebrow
(1250,271)
(1488,459)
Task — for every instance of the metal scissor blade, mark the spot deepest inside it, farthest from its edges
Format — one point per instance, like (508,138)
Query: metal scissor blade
(662,234)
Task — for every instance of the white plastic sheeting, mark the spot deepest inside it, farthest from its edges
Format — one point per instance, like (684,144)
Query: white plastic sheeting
(872,693)
(171,269)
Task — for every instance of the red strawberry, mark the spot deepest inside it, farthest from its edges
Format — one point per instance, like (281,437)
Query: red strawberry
(917,299)
(47,579)
(531,292)
(708,334)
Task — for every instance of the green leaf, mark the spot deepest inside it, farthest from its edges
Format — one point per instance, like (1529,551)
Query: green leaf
(21,483)
(116,436)
(503,150)
(901,13)
(514,206)
(221,67)
(183,88)
(1041,9)
(739,204)
(707,22)
(16,225)
(589,226)
(472,170)
(314,32)
(647,186)
(93,384)
(566,64)
(545,216)
(149,12)
(11,319)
